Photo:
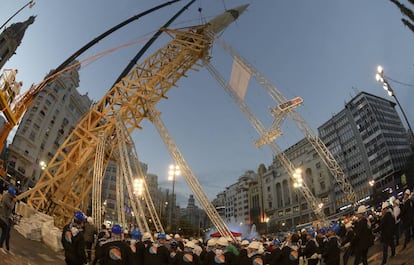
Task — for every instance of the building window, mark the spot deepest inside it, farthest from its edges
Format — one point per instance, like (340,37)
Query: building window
(32,135)
(323,185)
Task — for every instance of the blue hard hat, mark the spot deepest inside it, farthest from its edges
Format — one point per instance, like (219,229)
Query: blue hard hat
(136,234)
(311,233)
(117,229)
(162,236)
(322,231)
(12,191)
(276,242)
(80,216)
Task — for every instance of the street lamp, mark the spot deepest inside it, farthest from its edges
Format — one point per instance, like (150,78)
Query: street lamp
(380,77)
(173,172)
(138,187)
(298,183)
(42,165)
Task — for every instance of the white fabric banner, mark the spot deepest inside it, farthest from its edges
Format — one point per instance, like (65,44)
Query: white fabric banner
(239,79)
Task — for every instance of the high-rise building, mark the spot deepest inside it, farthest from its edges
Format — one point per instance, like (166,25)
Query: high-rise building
(11,38)
(371,145)
(47,122)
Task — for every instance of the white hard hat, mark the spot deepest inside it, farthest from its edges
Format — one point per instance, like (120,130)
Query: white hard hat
(362,209)
(176,236)
(146,236)
(348,225)
(245,242)
(211,242)
(407,191)
(190,244)
(168,237)
(385,205)
(197,250)
(222,241)
(89,220)
(254,245)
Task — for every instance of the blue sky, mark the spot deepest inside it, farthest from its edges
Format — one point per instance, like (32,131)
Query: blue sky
(322,51)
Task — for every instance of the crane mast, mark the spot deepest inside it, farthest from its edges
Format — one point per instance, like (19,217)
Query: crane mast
(65,184)
(268,138)
(126,155)
(326,156)
(98,173)
(125,173)
(189,176)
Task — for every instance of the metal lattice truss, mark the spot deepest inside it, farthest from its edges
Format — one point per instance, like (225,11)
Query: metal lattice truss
(189,176)
(258,126)
(98,174)
(65,184)
(130,166)
(313,138)
(124,172)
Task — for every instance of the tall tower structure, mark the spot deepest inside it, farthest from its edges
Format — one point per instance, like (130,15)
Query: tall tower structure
(11,38)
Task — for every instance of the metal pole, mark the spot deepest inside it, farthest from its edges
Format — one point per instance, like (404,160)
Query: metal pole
(173,201)
(410,130)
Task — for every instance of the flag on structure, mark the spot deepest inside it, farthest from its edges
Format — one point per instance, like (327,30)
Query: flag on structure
(239,79)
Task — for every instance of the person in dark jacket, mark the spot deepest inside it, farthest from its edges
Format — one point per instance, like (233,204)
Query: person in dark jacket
(332,254)
(346,243)
(243,259)
(90,232)
(363,233)
(290,251)
(386,229)
(311,249)
(253,253)
(406,215)
(73,241)
(115,250)
(276,253)
(7,204)
(187,256)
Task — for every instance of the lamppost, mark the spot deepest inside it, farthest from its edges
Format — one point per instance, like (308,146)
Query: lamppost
(42,165)
(297,184)
(30,4)
(380,77)
(173,172)
(371,183)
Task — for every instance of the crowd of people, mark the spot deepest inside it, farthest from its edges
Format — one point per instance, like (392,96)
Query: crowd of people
(343,238)
(83,243)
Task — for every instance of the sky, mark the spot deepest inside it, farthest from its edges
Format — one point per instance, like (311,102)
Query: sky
(323,51)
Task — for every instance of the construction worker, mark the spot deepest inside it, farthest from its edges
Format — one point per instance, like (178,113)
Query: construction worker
(6,210)
(115,250)
(187,256)
(73,241)
(90,233)
(253,252)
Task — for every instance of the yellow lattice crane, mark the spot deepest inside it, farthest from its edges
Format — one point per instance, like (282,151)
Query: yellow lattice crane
(65,184)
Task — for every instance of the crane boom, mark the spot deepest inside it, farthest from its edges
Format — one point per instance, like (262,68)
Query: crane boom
(313,138)
(286,163)
(66,181)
